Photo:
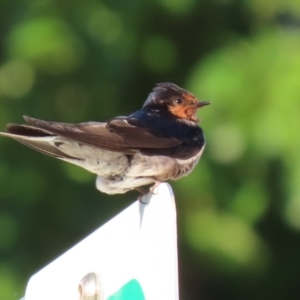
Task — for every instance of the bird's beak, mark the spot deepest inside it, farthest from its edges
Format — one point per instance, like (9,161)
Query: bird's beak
(203,103)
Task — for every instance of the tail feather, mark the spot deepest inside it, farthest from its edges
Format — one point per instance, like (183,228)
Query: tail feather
(27,130)
(35,138)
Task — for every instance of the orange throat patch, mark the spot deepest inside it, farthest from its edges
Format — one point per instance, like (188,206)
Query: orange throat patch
(184,112)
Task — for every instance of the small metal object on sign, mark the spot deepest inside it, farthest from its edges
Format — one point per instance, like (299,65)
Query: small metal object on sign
(131,257)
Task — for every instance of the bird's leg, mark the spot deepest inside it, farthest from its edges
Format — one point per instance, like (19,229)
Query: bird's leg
(156,184)
(143,192)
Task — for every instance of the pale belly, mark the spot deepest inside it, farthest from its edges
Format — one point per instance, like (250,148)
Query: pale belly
(146,170)
(119,173)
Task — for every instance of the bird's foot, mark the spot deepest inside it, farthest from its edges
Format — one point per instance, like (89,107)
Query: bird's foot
(143,192)
(153,187)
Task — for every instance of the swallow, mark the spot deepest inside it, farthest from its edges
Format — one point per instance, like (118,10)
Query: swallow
(161,141)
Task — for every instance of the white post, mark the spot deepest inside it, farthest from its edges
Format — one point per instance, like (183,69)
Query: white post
(131,257)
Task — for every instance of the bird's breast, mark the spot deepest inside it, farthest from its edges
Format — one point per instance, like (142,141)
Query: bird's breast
(162,168)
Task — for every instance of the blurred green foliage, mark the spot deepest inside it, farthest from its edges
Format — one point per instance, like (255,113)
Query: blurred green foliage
(74,61)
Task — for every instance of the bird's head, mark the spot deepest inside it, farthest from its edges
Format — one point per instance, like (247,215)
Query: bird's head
(179,102)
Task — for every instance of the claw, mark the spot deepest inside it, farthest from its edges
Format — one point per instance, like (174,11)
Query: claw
(153,187)
(144,191)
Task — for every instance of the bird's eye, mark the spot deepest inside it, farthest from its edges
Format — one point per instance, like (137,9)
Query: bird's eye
(178,101)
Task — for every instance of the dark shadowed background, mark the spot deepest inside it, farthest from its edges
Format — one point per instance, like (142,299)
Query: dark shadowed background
(75,61)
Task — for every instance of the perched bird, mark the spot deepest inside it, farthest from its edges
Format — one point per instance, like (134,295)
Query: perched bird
(159,142)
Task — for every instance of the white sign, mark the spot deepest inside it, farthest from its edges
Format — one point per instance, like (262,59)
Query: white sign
(132,257)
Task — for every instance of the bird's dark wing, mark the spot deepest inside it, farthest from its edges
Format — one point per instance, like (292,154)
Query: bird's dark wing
(139,137)
(94,134)
(149,143)
(116,135)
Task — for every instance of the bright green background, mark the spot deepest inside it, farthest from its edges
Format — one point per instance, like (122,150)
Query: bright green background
(74,61)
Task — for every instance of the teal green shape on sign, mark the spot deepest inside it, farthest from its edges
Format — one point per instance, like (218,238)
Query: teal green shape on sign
(132,290)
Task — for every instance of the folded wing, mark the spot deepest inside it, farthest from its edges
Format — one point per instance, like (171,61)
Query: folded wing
(117,135)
